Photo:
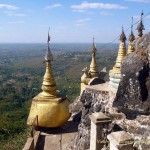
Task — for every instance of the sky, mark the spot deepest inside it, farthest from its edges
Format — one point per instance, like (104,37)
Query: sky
(70,21)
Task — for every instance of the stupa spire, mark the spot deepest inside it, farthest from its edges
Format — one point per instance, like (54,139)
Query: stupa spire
(49,84)
(131,39)
(115,73)
(94,46)
(122,49)
(48,56)
(140,26)
(93,65)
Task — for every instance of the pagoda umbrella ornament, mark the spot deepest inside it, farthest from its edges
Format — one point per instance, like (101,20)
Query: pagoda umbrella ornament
(131,39)
(140,26)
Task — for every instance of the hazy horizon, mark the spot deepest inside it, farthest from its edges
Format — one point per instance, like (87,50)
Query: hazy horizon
(64,47)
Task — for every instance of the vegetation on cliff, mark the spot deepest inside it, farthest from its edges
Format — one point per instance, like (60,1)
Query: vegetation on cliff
(21,74)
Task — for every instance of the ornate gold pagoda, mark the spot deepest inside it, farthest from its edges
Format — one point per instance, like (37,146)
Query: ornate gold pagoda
(92,73)
(93,67)
(121,53)
(115,73)
(140,26)
(49,107)
(131,39)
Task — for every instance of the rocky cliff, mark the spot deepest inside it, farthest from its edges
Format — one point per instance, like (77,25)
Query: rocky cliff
(94,99)
(129,108)
(133,95)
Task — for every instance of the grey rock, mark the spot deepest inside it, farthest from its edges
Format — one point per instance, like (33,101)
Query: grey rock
(133,95)
(93,101)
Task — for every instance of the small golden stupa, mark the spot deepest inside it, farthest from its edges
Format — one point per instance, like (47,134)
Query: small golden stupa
(115,73)
(50,109)
(92,73)
(93,67)
(140,26)
(131,39)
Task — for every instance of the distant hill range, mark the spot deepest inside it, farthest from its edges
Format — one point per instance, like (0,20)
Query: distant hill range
(60,47)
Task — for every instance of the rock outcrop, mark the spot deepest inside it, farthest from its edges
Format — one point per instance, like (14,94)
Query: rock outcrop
(75,109)
(133,95)
(94,99)
(129,108)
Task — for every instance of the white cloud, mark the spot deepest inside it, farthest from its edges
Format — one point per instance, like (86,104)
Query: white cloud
(139,1)
(81,22)
(105,13)
(79,10)
(17,22)
(29,10)
(54,6)
(10,13)
(138,17)
(8,6)
(78,24)
(86,5)
(20,15)
(83,11)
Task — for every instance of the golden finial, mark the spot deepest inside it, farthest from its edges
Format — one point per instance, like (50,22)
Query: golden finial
(140,26)
(48,56)
(49,84)
(131,39)
(122,50)
(93,67)
(94,46)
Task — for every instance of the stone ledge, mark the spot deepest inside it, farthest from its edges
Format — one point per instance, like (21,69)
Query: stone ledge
(98,88)
(99,117)
(29,144)
(120,138)
(32,142)
(36,138)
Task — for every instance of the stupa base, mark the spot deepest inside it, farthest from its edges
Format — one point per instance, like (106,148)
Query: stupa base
(48,111)
(115,78)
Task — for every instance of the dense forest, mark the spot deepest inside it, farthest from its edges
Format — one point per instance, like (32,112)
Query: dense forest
(21,72)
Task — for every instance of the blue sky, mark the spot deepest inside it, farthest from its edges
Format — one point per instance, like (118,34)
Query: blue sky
(70,20)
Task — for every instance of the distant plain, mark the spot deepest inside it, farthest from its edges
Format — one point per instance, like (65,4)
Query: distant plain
(21,72)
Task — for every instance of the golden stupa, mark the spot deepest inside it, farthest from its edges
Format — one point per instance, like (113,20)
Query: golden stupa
(93,67)
(131,39)
(140,26)
(48,107)
(115,73)
(92,73)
